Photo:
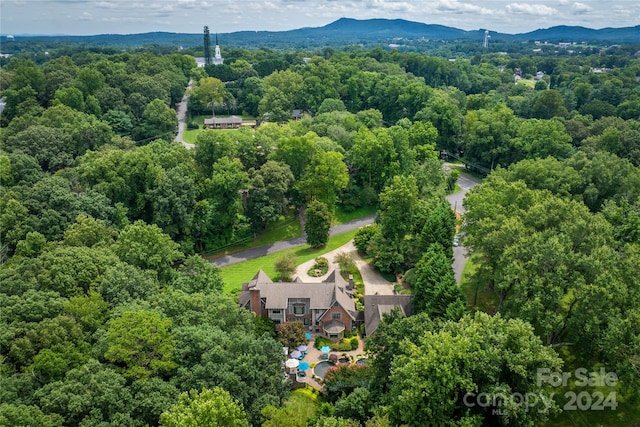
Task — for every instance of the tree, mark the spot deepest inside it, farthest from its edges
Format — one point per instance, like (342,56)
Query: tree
(226,186)
(141,343)
(331,104)
(268,194)
(435,290)
(548,104)
(27,415)
(356,405)
(543,138)
(158,121)
(71,97)
(198,275)
(48,145)
(209,408)
(372,159)
(207,93)
(345,379)
(296,152)
(445,115)
(488,135)
(91,393)
(399,206)
(454,365)
(147,247)
(291,334)
(324,177)
(88,231)
(317,224)
(285,267)
(275,106)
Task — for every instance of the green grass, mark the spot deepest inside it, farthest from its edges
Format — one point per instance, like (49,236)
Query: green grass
(285,228)
(478,297)
(190,136)
(303,403)
(456,188)
(288,227)
(527,82)
(237,274)
(342,217)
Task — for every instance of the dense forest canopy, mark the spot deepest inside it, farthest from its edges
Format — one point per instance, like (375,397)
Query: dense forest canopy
(110,317)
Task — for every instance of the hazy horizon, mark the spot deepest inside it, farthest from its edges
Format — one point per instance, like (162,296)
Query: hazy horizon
(90,17)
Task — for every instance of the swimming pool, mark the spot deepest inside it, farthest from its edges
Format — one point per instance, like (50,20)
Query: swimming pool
(322,367)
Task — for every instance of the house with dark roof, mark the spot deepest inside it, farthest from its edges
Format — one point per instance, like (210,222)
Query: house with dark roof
(375,306)
(231,122)
(326,308)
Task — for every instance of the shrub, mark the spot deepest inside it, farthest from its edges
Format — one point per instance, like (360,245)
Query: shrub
(354,343)
(346,262)
(321,262)
(285,267)
(363,237)
(321,342)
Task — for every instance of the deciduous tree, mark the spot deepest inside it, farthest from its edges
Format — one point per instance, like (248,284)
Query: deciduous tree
(317,224)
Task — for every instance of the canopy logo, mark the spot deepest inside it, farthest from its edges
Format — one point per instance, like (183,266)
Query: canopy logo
(504,401)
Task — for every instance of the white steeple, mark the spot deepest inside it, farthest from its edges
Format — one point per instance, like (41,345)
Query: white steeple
(217,58)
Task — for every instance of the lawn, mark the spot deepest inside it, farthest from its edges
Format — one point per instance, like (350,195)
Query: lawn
(237,274)
(341,216)
(478,296)
(288,227)
(285,228)
(190,136)
(302,404)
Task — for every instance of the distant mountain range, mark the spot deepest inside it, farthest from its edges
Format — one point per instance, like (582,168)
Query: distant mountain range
(352,31)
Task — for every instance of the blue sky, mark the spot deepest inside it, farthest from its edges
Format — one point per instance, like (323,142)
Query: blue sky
(84,17)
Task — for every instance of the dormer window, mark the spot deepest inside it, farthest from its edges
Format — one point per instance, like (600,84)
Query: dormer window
(298,309)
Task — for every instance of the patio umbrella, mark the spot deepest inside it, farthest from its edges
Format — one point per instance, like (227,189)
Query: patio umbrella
(303,348)
(307,335)
(303,366)
(325,349)
(333,357)
(291,363)
(295,354)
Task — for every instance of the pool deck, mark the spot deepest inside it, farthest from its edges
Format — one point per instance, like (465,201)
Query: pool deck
(314,356)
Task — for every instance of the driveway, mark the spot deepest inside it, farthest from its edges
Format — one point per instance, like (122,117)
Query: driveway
(374,283)
(466,183)
(181,111)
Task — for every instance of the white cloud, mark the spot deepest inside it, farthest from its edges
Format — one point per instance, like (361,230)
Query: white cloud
(456,6)
(86,16)
(581,8)
(531,9)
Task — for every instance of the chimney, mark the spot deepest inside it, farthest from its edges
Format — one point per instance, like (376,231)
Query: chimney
(350,286)
(254,298)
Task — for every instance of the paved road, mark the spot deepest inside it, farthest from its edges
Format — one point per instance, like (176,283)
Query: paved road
(181,111)
(466,183)
(377,283)
(286,244)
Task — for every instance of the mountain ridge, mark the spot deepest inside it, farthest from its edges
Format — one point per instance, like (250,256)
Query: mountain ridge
(349,30)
